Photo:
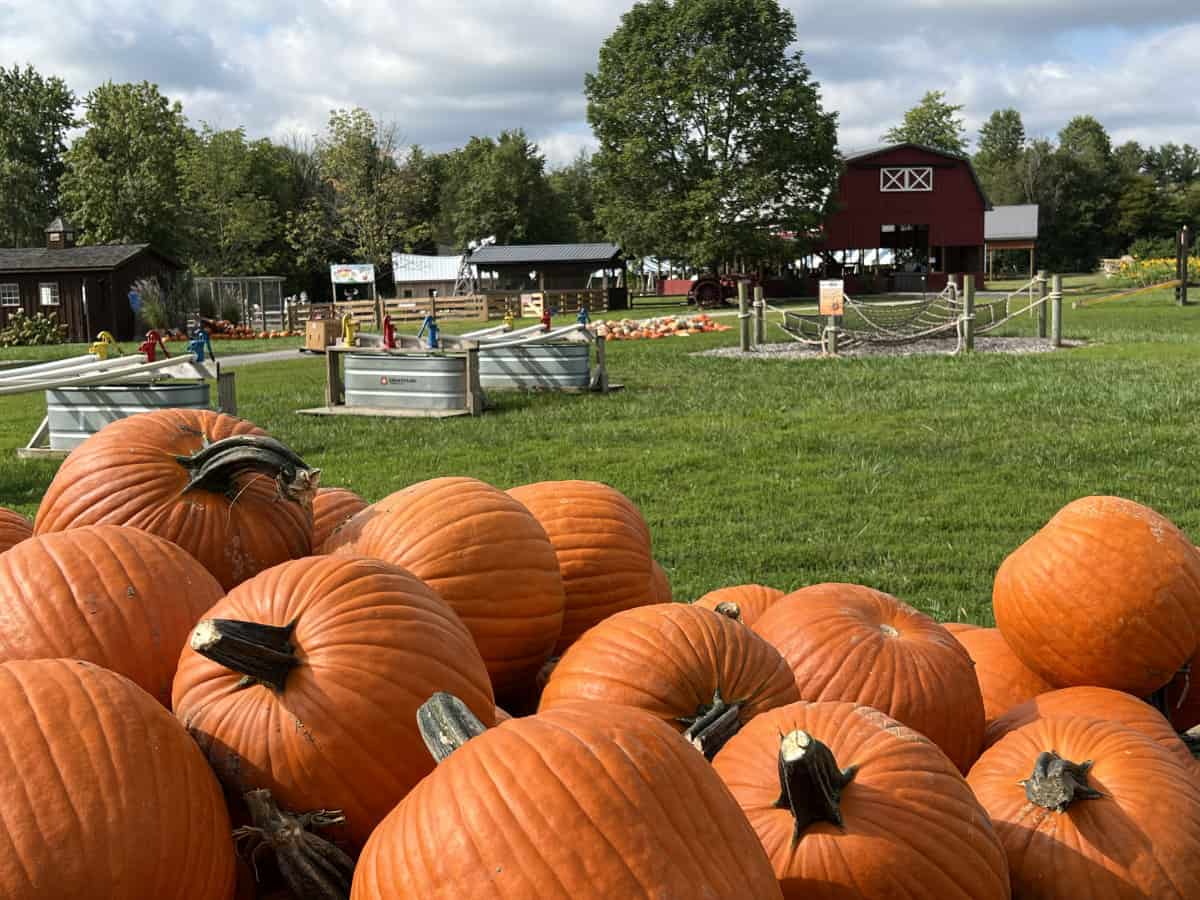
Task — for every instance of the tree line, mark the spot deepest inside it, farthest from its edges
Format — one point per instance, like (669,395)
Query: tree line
(714,150)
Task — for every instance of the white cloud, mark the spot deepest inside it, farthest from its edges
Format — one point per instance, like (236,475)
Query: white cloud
(447,69)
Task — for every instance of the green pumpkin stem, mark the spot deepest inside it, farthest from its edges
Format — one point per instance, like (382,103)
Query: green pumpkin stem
(218,466)
(1056,783)
(729,610)
(446,724)
(262,653)
(810,782)
(713,725)
(312,867)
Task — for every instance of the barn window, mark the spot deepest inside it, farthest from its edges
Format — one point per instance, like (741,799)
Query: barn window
(10,295)
(907,178)
(48,292)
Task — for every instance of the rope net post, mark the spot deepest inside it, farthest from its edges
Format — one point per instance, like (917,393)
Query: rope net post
(968,313)
(760,316)
(744,315)
(1056,300)
(1041,306)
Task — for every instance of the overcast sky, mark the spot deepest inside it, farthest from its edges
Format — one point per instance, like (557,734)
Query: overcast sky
(448,69)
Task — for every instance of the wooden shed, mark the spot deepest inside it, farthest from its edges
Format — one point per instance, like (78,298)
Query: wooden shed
(923,205)
(565,274)
(85,287)
(1011,228)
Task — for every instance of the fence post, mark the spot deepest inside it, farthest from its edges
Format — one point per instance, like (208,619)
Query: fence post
(968,312)
(760,316)
(1041,309)
(744,315)
(1181,264)
(1056,305)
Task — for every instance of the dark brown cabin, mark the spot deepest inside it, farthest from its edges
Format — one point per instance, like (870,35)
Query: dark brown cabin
(85,287)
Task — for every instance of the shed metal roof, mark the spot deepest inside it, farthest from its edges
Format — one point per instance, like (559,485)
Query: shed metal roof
(533,254)
(1011,223)
(65,259)
(409,267)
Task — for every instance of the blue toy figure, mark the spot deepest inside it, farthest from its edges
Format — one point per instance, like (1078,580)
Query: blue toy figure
(200,344)
(583,318)
(429,325)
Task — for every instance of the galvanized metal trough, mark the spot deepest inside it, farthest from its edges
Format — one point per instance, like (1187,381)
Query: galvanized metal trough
(75,414)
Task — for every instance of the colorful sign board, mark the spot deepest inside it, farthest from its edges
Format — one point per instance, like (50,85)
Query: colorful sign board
(832,299)
(353,273)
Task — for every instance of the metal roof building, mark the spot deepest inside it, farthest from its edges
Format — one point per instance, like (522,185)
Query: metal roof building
(1011,228)
(590,256)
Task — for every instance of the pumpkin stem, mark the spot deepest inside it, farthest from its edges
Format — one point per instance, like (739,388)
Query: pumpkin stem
(263,653)
(446,724)
(729,610)
(311,866)
(217,466)
(713,725)
(810,782)
(1056,783)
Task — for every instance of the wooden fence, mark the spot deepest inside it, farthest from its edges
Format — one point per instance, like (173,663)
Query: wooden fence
(479,307)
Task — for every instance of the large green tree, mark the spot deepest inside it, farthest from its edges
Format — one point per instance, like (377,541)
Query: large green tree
(225,187)
(575,187)
(1091,185)
(35,115)
(712,134)
(122,177)
(998,158)
(499,187)
(932,123)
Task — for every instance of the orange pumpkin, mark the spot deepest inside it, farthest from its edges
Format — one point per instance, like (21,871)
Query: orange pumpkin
(219,487)
(305,681)
(853,643)
(603,548)
(1089,808)
(585,801)
(115,596)
(105,796)
(1106,594)
(1091,703)
(661,584)
(833,791)
(485,554)
(1004,680)
(752,600)
(702,672)
(14,528)
(332,507)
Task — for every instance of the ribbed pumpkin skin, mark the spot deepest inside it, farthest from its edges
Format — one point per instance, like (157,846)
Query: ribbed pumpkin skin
(582,802)
(839,641)
(1091,703)
(127,474)
(485,554)
(14,528)
(1004,680)
(669,659)
(1141,839)
(603,548)
(911,826)
(752,600)
(119,597)
(105,796)
(661,584)
(375,644)
(1107,594)
(331,508)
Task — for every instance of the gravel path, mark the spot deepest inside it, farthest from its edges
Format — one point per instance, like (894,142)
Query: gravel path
(937,347)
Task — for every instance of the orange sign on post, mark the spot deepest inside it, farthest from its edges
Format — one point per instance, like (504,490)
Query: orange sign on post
(832,298)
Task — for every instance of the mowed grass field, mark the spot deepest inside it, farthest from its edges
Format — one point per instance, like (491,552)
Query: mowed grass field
(914,475)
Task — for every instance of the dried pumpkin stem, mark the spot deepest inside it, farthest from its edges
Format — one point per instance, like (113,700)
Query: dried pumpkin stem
(810,782)
(446,724)
(729,610)
(262,653)
(1056,783)
(713,725)
(312,867)
(217,466)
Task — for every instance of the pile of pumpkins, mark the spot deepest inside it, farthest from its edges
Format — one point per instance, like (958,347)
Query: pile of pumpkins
(221,680)
(653,329)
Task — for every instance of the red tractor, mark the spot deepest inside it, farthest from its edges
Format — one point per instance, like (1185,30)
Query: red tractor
(711,290)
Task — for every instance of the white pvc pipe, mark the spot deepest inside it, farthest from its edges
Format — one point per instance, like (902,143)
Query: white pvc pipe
(48,366)
(117,376)
(95,365)
(536,338)
(484,333)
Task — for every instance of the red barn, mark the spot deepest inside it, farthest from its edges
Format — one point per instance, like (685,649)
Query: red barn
(926,206)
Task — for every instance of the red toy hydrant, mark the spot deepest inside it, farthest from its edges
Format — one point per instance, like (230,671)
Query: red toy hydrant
(153,340)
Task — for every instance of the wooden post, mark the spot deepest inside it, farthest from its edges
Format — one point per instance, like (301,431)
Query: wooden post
(744,315)
(600,382)
(760,316)
(474,391)
(1182,246)
(968,312)
(831,344)
(333,377)
(1041,310)
(1056,311)
(227,393)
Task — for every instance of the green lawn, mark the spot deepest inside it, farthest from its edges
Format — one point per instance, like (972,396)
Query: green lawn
(913,475)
